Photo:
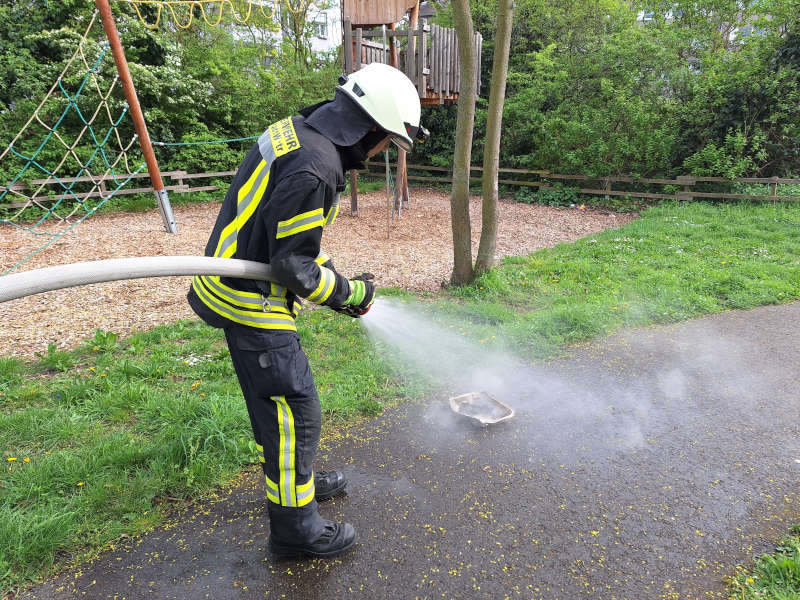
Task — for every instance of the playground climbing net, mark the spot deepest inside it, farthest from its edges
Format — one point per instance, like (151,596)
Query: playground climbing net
(71,157)
(212,12)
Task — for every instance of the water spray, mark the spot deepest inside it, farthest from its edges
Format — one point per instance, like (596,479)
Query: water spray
(447,356)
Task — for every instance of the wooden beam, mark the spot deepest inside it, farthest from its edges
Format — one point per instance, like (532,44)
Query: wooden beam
(354,192)
(348,51)
(421,54)
(392,48)
(359,49)
(372,33)
(364,13)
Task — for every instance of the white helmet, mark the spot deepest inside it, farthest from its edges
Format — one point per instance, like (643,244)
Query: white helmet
(390,99)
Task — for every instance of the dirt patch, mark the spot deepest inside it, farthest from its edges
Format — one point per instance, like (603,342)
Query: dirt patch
(414,253)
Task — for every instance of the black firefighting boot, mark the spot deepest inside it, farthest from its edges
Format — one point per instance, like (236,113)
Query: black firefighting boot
(303,532)
(328,483)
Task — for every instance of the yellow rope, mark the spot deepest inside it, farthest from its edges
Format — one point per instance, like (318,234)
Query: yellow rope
(301,6)
(214,19)
(141,18)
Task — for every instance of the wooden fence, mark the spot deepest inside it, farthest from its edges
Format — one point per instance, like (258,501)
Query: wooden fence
(685,187)
(689,187)
(178,185)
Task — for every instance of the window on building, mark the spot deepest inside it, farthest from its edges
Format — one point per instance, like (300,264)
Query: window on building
(321,26)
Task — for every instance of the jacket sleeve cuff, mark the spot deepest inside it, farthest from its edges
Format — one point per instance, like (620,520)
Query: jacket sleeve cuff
(332,289)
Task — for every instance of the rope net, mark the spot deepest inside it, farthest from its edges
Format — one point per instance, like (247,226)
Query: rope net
(182,12)
(73,155)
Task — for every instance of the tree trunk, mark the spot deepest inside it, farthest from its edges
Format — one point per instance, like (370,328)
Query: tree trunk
(494,122)
(459,200)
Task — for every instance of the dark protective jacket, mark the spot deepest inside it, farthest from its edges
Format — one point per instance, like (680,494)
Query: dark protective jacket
(284,193)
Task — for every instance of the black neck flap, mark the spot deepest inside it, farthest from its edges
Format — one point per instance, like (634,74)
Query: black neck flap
(340,120)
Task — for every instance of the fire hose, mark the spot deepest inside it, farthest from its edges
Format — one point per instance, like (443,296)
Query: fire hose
(18,285)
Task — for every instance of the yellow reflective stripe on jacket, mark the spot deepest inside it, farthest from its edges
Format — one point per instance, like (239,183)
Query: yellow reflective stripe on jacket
(302,222)
(322,258)
(249,197)
(246,300)
(260,319)
(286,448)
(279,294)
(239,306)
(327,283)
(333,212)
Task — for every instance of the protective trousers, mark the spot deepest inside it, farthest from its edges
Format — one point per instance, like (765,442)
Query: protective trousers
(285,414)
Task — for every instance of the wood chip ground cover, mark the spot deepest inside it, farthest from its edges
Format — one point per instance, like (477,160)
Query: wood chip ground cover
(414,253)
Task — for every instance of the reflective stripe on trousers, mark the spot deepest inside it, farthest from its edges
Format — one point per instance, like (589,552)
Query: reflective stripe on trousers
(284,409)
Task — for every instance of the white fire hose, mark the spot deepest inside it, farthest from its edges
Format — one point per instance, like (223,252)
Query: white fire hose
(18,285)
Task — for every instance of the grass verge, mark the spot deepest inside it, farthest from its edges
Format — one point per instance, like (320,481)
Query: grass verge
(676,262)
(774,576)
(94,440)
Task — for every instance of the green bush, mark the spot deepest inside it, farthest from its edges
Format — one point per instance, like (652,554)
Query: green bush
(559,196)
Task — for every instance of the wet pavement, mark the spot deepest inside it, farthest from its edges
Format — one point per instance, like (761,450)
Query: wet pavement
(645,465)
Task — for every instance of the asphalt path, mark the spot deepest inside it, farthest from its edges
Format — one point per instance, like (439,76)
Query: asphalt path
(645,465)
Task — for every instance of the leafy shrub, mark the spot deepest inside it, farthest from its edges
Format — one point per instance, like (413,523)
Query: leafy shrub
(558,196)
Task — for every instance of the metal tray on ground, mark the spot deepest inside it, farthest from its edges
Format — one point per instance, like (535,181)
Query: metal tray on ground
(482,407)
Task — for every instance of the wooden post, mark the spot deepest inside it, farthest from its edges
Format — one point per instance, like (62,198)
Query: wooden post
(434,41)
(411,71)
(422,83)
(773,187)
(399,193)
(354,193)
(438,64)
(440,59)
(347,50)
(479,38)
(446,66)
(359,48)
(413,22)
(406,192)
(393,59)
(350,52)
(687,182)
(456,72)
(136,114)
(451,54)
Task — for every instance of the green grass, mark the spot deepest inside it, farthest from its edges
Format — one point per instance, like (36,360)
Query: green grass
(774,576)
(94,439)
(676,262)
(114,427)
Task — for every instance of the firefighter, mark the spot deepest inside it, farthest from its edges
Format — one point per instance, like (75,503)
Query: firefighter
(284,193)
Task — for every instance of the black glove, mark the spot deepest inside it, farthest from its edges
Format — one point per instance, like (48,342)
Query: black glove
(362,295)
